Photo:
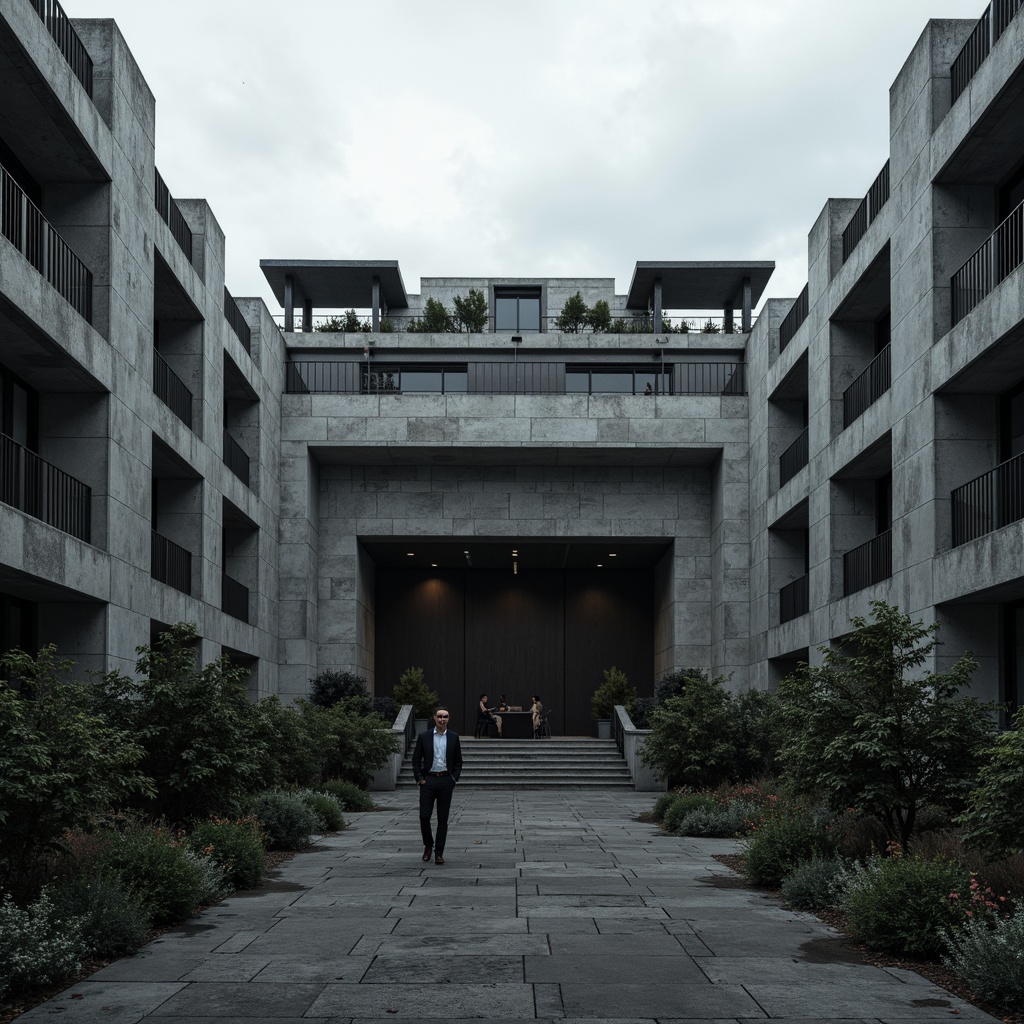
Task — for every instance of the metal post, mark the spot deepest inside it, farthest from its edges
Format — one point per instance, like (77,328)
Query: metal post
(656,326)
(375,301)
(307,315)
(289,302)
(728,320)
(747,303)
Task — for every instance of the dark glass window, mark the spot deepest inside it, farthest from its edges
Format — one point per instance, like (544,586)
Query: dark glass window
(883,504)
(422,380)
(1011,415)
(611,382)
(19,410)
(517,309)
(615,380)
(1013,657)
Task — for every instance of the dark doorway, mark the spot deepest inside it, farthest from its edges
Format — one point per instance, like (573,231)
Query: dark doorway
(550,632)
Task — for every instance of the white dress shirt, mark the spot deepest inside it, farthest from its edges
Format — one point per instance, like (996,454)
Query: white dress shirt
(440,751)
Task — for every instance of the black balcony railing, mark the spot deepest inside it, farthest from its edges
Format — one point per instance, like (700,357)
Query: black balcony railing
(31,485)
(990,501)
(868,387)
(794,458)
(234,598)
(794,318)
(236,459)
(867,564)
(31,234)
(171,564)
(795,598)
(990,27)
(234,317)
(171,390)
(64,35)
(172,216)
(998,257)
(877,197)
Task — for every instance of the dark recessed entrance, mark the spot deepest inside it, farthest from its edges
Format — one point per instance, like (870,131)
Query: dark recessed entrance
(548,621)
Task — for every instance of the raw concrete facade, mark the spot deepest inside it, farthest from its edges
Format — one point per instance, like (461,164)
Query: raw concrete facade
(777,477)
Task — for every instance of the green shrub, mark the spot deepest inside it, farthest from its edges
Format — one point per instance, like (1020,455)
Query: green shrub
(294,752)
(360,742)
(213,884)
(815,884)
(412,689)
(780,842)
(237,846)
(157,869)
(114,921)
(614,690)
(37,945)
(332,685)
(725,822)
(286,821)
(989,957)
(471,311)
(599,319)
(681,806)
(348,795)
(662,804)
(326,808)
(903,905)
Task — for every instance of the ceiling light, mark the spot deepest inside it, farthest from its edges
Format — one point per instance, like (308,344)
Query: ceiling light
(410,554)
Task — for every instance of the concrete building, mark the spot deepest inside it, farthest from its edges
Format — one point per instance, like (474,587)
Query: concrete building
(510,498)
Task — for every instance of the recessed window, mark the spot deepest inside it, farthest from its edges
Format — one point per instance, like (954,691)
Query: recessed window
(614,380)
(517,309)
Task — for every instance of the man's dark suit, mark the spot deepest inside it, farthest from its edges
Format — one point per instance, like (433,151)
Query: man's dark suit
(436,788)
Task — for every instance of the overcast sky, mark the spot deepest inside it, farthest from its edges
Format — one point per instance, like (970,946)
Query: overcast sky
(538,138)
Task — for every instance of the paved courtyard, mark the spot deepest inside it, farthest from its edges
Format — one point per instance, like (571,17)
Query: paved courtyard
(550,906)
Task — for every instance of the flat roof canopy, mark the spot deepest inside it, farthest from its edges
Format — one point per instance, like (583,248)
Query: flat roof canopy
(337,284)
(700,285)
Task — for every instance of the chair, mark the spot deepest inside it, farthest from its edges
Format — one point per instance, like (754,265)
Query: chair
(544,729)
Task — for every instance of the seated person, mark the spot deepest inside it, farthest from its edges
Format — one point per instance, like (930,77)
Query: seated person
(537,709)
(502,706)
(483,717)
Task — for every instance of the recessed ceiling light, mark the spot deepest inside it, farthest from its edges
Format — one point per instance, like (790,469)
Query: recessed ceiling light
(613,554)
(433,565)
(410,554)
(600,565)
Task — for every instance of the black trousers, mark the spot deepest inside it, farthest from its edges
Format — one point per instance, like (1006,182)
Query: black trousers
(439,791)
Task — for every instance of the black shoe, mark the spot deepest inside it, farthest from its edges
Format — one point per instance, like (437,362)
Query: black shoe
(439,859)
(427,851)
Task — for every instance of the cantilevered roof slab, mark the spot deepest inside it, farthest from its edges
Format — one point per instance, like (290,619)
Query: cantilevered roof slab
(336,284)
(698,285)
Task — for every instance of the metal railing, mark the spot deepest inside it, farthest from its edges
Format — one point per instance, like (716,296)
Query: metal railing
(794,458)
(631,323)
(867,564)
(234,598)
(877,197)
(234,317)
(31,485)
(990,27)
(999,255)
(992,500)
(24,226)
(795,598)
(794,318)
(171,215)
(64,35)
(171,390)
(236,459)
(868,387)
(170,563)
(319,376)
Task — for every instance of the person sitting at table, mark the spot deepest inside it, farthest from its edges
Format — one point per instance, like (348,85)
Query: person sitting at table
(502,706)
(537,709)
(483,718)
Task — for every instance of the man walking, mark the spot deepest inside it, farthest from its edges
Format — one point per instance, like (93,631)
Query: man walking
(440,751)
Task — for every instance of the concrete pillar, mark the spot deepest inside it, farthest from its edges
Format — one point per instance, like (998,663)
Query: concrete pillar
(307,316)
(375,303)
(657,305)
(747,303)
(289,302)
(728,320)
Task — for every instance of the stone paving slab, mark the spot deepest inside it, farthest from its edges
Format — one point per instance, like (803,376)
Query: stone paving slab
(552,906)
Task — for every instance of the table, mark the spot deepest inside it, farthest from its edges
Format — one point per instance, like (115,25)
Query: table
(516,725)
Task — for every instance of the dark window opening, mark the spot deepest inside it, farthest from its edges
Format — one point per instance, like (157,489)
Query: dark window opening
(517,309)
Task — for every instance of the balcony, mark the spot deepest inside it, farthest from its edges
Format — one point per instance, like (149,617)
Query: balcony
(236,459)
(234,598)
(170,563)
(877,197)
(172,216)
(171,390)
(794,458)
(992,500)
(998,257)
(868,387)
(795,599)
(870,563)
(794,318)
(31,234)
(990,27)
(60,28)
(236,321)
(31,485)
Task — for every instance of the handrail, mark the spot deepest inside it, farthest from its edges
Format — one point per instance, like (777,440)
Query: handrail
(24,226)
(34,486)
(989,502)
(236,458)
(234,598)
(58,24)
(171,390)
(795,457)
(794,318)
(991,25)
(795,598)
(236,321)
(869,563)
(170,563)
(171,215)
(868,387)
(871,204)
(995,259)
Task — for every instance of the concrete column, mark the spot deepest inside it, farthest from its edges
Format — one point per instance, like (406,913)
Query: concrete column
(375,303)
(657,305)
(747,303)
(728,320)
(307,316)
(289,302)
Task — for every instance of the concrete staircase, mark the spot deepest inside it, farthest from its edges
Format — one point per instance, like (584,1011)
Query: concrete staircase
(560,763)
